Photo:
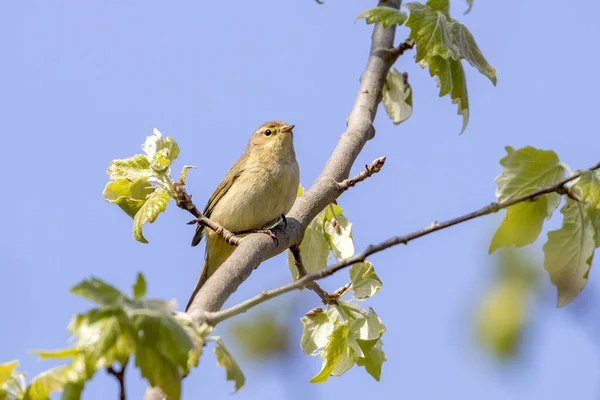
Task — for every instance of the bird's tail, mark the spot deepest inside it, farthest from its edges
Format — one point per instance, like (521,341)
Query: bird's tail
(203,277)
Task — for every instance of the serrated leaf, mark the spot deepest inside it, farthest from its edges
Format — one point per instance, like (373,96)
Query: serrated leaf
(450,77)
(139,287)
(523,223)
(133,168)
(430,28)
(397,96)
(226,360)
(99,292)
(587,188)
(156,203)
(502,316)
(46,383)
(365,282)
(337,345)
(314,247)
(158,370)
(386,15)
(527,170)
(373,361)
(338,231)
(469,50)
(127,194)
(6,370)
(568,252)
(316,331)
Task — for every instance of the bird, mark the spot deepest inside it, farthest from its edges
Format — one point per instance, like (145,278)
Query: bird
(257,191)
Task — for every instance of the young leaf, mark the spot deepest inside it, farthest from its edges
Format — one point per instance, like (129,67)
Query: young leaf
(386,15)
(373,360)
(431,30)
(316,331)
(338,232)
(397,96)
(226,360)
(6,371)
(336,346)
(158,370)
(314,248)
(45,383)
(568,252)
(594,215)
(365,283)
(588,188)
(156,203)
(139,287)
(526,170)
(133,168)
(99,292)
(469,50)
(62,353)
(160,152)
(365,331)
(127,194)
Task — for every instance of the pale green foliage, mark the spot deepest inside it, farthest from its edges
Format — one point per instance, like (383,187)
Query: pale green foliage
(386,15)
(342,336)
(329,231)
(397,96)
(526,170)
(12,383)
(587,188)
(365,282)
(120,327)
(569,250)
(225,360)
(442,42)
(6,371)
(141,185)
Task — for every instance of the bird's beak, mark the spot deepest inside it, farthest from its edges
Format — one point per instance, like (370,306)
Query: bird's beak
(287,129)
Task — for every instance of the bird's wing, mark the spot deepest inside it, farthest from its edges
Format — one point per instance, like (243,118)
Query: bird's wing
(232,175)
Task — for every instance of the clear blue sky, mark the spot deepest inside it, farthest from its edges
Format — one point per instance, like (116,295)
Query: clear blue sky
(85,82)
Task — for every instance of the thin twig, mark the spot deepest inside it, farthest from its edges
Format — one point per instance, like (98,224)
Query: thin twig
(398,51)
(314,286)
(120,377)
(216,317)
(369,170)
(184,201)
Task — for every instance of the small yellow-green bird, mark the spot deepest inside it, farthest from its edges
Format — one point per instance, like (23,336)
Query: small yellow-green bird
(260,187)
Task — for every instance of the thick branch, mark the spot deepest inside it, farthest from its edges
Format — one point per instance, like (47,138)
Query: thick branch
(307,280)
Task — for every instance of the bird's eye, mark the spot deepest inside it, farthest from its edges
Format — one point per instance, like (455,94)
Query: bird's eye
(268,132)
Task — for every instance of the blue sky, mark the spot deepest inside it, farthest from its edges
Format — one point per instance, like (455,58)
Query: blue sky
(85,82)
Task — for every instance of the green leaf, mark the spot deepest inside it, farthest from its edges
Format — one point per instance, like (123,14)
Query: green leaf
(127,194)
(99,292)
(158,370)
(139,287)
(365,331)
(226,360)
(450,77)
(314,248)
(365,283)
(469,50)
(156,203)
(6,371)
(568,252)
(595,218)
(397,96)
(333,351)
(587,188)
(45,383)
(53,354)
(133,168)
(373,360)
(431,30)
(316,330)
(72,391)
(527,170)
(442,6)
(386,15)
(523,223)
(160,152)
(338,232)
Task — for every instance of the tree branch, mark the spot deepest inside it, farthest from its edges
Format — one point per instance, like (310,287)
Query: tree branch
(257,248)
(406,45)
(216,317)
(120,377)
(314,286)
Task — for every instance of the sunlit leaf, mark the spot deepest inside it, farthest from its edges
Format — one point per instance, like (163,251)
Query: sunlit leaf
(337,346)
(6,371)
(129,195)
(431,29)
(314,247)
(316,331)
(365,331)
(139,287)
(226,360)
(365,282)
(397,96)
(133,168)
(156,203)
(46,383)
(338,232)
(62,353)
(568,252)
(469,50)
(386,15)
(373,360)
(588,188)
(160,152)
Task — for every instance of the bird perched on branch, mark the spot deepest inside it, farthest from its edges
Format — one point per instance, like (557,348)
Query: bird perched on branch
(260,188)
